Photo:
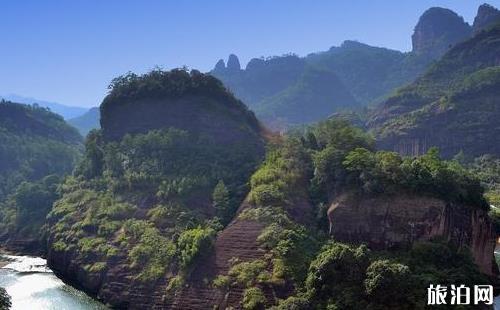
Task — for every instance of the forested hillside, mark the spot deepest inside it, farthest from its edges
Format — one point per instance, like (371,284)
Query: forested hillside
(354,179)
(37,148)
(154,186)
(454,106)
(87,121)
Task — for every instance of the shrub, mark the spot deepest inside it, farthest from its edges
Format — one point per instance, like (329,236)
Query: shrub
(253,298)
(250,273)
(194,243)
(221,282)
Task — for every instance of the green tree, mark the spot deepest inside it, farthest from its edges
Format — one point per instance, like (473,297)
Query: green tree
(5,301)
(220,201)
(388,285)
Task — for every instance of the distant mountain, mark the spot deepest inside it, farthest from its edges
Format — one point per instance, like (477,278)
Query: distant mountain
(437,30)
(370,74)
(455,105)
(86,122)
(315,95)
(64,110)
(487,16)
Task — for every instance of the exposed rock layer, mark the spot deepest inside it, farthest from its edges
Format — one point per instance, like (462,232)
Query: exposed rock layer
(399,221)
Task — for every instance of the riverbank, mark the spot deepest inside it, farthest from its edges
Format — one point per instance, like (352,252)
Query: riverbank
(32,285)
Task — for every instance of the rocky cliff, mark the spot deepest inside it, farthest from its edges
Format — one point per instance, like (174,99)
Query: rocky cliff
(453,106)
(487,16)
(437,30)
(398,222)
(168,139)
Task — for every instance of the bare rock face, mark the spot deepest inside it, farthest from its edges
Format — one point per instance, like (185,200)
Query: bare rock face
(399,221)
(220,66)
(487,16)
(233,63)
(437,30)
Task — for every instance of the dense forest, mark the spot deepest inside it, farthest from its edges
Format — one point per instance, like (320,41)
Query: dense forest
(148,209)
(37,148)
(454,105)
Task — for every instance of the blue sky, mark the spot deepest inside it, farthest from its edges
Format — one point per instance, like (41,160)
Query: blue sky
(68,51)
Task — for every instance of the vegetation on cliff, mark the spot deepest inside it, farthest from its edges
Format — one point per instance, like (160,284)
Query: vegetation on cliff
(323,162)
(454,105)
(37,148)
(152,200)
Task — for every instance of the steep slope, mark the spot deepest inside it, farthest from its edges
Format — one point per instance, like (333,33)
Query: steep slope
(261,78)
(167,170)
(437,30)
(486,17)
(399,221)
(86,122)
(36,148)
(315,96)
(370,74)
(453,106)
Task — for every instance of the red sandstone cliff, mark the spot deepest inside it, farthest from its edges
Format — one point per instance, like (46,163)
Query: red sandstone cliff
(396,222)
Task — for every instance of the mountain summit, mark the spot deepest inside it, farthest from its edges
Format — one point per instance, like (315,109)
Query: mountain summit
(437,30)
(487,15)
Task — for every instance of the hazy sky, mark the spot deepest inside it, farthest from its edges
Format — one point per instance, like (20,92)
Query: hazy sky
(68,51)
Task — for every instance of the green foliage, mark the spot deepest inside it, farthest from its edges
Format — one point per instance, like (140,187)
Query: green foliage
(151,252)
(291,246)
(194,243)
(97,267)
(335,138)
(249,273)
(347,277)
(5,300)
(337,272)
(221,202)
(344,159)
(144,199)
(385,172)
(453,105)
(160,83)
(319,90)
(387,284)
(36,148)
(285,169)
(221,282)
(253,299)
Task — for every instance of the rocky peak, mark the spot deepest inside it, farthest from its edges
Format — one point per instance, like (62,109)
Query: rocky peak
(486,16)
(233,63)
(220,66)
(437,30)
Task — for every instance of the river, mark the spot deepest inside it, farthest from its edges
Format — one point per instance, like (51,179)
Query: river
(32,285)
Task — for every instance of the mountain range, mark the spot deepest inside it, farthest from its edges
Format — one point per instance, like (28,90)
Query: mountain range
(65,111)
(279,89)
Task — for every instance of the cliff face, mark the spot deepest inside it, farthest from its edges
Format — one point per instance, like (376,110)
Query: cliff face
(183,134)
(437,30)
(398,222)
(454,106)
(487,16)
(196,114)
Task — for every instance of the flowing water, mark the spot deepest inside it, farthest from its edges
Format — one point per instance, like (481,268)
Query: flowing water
(32,285)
